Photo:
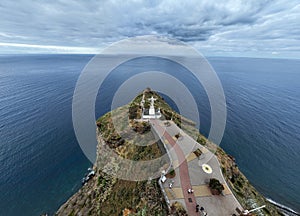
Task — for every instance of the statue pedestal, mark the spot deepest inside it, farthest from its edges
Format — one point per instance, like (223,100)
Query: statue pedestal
(151,110)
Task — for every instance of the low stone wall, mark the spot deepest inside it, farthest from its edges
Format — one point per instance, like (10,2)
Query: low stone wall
(163,149)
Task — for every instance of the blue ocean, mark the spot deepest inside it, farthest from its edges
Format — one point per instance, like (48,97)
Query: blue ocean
(41,163)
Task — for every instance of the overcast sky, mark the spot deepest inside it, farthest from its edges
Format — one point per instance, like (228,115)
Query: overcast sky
(259,28)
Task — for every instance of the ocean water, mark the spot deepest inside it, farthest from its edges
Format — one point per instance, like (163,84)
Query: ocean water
(263,124)
(41,163)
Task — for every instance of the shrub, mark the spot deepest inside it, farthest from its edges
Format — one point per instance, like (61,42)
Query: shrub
(201,140)
(171,174)
(198,152)
(133,111)
(215,185)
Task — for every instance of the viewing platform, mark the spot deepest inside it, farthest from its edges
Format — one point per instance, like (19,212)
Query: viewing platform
(190,175)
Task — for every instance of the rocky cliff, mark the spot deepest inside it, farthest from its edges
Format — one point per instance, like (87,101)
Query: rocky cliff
(107,195)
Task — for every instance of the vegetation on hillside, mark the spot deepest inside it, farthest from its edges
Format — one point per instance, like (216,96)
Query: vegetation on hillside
(131,139)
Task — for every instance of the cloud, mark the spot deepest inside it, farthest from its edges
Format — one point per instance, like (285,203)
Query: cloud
(221,26)
(32,48)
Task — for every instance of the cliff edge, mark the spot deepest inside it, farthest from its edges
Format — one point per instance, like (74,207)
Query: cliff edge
(103,194)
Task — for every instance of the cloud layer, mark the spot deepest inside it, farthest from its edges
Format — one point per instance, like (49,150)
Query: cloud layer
(214,27)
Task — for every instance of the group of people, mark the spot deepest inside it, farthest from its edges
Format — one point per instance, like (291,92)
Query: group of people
(190,190)
(201,209)
(198,208)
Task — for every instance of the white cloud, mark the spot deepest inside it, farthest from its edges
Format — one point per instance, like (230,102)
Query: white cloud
(47,48)
(222,26)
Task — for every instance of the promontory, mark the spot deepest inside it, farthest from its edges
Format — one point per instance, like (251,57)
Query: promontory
(195,177)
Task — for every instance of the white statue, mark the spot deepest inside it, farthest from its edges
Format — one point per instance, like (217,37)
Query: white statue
(152,109)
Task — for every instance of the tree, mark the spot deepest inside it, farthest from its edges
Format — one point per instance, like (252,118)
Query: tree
(215,186)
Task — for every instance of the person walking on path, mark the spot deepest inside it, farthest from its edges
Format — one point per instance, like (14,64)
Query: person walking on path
(197,208)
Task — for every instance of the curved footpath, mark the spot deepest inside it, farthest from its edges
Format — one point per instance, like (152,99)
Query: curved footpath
(189,174)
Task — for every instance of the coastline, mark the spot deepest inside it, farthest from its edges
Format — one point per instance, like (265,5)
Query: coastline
(242,189)
(286,210)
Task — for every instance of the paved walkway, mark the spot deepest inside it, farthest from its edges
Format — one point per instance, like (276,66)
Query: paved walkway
(189,174)
(190,199)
